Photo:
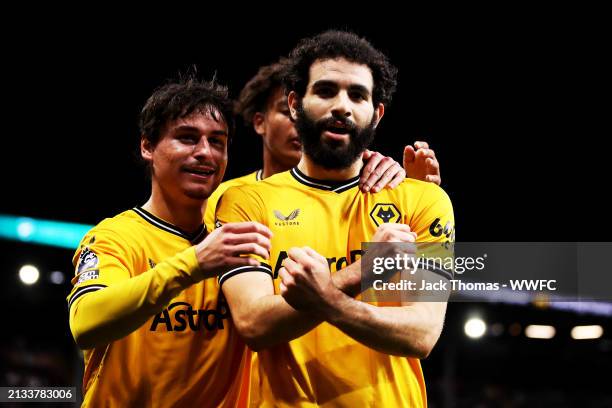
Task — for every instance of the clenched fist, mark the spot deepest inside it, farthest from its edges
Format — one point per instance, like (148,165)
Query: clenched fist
(305,279)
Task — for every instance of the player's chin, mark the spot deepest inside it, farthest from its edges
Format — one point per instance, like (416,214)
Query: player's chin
(293,156)
(199,191)
(294,145)
(198,194)
(335,144)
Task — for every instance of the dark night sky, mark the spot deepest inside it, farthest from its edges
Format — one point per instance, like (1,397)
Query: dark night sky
(490,103)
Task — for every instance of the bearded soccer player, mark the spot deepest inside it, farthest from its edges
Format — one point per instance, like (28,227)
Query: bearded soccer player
(317,345)
(262,104)
(146,306)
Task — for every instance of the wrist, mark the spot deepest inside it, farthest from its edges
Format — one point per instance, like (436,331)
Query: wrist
(331,306)
(348,280)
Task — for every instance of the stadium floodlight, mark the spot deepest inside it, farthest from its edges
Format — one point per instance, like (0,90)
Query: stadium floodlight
(475,328)
(57,277)
(587,332)
(536,331)
(29,274)
(45,232)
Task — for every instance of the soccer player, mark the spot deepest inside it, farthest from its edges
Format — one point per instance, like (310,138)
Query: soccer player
(263,105)
(362,354)
(146,306)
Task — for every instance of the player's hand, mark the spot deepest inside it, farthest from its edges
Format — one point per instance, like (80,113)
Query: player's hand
(421,164)
(221,250)
(305,279)
(393,232)
(396,239)
(390,233)
(380,172)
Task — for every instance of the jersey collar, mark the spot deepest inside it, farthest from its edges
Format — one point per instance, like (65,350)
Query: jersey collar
(328,185)
(194,238)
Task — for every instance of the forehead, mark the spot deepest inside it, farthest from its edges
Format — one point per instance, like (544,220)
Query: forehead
(342,72)
(202,121)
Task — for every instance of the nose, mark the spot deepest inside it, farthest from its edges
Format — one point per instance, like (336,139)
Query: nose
(341,105)
(202,149)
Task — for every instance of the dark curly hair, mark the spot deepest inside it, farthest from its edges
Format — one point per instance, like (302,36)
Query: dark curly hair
(254,96)
(179,99)
(341,44)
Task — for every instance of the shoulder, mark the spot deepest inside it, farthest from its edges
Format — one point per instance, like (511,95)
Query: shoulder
(421,192)
(116,224)
(261,188)
(112,234)
(121,224)
(250,178)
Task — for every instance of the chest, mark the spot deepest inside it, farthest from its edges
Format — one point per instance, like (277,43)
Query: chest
(333,225)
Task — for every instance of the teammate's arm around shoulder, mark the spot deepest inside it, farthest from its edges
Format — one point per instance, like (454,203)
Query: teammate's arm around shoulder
(110,300)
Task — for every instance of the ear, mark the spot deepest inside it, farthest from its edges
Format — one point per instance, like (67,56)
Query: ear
(259,123)
(146,149)
(379,112)
(292,101)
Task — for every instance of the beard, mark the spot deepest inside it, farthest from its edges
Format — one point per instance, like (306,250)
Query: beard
(332,154)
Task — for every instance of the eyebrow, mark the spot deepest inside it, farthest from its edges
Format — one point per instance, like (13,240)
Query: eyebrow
(195,129)
(352,87)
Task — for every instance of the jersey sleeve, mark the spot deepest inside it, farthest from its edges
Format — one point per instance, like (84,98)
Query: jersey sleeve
(101,260)
(109,300)
(434,224)
(433,219)
(239,204)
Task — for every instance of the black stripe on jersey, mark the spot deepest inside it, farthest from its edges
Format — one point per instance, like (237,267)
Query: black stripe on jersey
(82,291)
(347,186)
(199,237)
(261,268)
(166,226)
(328,185)
(445,273)
(259,175)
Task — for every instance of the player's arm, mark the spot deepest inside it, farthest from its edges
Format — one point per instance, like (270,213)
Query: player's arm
(108,309)
(262,317)
(411,329)
(265,319)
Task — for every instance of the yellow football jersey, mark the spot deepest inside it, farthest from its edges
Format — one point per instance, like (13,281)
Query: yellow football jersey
(211,204)
(189,354)
(326,367)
